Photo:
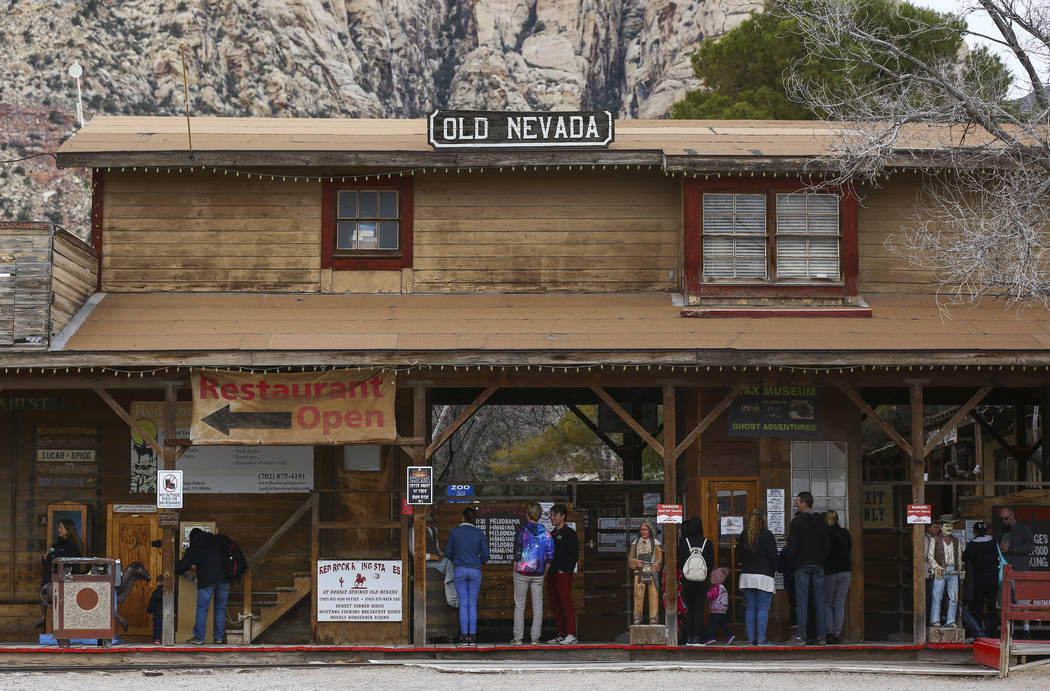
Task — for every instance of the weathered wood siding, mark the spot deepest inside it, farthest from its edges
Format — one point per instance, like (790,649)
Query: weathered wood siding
(184,232)
(74,275)
(25,268)
(547,232)
(881,214)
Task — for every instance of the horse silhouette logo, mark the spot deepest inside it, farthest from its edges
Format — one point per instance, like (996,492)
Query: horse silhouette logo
(359,582)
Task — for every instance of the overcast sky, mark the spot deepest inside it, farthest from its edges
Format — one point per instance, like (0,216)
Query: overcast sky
(981,24)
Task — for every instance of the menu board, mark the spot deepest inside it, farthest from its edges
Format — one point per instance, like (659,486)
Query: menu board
(500,524)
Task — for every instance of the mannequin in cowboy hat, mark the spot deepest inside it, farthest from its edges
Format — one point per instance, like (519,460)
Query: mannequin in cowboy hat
(944,557)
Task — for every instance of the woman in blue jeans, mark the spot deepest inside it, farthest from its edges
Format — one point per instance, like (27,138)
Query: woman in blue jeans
(757,551)
(468,548)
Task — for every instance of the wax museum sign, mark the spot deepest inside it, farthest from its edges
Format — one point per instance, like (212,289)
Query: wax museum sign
(481,129)
(331,407)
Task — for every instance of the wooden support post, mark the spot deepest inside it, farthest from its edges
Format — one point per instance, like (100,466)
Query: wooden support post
(670,529)
(315,554)
(419,538)
(962,412)
(918,533)
(170,527)
(627,418)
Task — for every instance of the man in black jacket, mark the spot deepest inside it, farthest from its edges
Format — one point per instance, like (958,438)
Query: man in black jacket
(559,578)
(808,547)
(205,557)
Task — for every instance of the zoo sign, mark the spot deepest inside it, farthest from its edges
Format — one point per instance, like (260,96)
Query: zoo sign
(331,407)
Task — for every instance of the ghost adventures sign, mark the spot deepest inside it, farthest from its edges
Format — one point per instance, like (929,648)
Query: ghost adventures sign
(480,129)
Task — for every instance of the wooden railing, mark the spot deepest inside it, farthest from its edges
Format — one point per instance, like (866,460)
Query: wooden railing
(312,504)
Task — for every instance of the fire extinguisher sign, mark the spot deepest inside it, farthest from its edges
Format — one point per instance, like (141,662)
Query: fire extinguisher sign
(169,489)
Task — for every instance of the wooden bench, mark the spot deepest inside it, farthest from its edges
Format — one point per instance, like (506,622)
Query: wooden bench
(1032,587)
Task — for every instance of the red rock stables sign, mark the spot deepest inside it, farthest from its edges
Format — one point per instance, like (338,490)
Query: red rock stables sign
(331,407)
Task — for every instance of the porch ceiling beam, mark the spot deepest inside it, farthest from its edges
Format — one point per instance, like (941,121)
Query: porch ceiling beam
(458,422)
(987,427)
(877,419)
(123,415)
(962,412)
(708,420)
(631,422)
(589,424)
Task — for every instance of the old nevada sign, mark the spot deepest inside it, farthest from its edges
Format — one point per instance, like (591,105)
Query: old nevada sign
(480,129)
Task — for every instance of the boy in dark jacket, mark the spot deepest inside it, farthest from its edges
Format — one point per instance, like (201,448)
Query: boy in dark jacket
(808,547)
(156,609)
(559,578)
(206,558)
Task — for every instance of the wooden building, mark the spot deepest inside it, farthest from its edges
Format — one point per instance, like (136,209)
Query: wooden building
(685,266)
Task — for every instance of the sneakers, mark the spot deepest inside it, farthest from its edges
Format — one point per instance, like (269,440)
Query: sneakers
(820,641)
(516,641)
(195,641)
(797,641)
(556,640)
(156,641)
(570,640)
(468,639)
(832,639)
(730,640)
(765,644)
(709,641)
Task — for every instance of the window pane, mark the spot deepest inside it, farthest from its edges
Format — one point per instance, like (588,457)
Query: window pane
(791,224)
(720,203)
(751,224)
(734,257)
(368,202)
(366,236)
(388,204)
(344,235)
(824,225)
(750,203)
(823,204)
(347,204)
(388,235)
(735,214)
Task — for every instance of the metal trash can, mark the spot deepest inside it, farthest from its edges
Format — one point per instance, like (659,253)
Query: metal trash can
(84,592)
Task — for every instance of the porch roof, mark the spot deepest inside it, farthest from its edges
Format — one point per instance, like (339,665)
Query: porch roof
(502,329)
(674,145)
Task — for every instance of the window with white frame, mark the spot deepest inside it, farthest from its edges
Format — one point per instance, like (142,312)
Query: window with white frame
(772,237)
(819,467)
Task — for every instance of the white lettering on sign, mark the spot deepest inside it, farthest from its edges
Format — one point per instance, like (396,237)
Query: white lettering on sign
(488,129)
(65,455)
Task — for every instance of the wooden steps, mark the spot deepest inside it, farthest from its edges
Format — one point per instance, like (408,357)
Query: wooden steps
(287,598)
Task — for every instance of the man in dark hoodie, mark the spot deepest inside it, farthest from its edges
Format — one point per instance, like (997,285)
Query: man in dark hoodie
(808,547)
(205,557)
(694,593)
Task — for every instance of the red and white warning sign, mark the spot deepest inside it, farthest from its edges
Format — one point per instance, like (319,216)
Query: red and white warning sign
(169,489)
(919,513)
(669,513)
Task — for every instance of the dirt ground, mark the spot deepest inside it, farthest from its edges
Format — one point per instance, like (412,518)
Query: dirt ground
(578,678)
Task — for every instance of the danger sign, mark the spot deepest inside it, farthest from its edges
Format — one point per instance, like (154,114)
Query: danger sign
(669,513)
(169,489)
(919,513)
(331,407)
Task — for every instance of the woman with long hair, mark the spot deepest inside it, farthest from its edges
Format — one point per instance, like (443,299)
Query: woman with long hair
(468,548)
(67,545)
(757,551)
(836,575)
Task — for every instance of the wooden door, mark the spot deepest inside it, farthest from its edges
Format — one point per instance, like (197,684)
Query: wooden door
(729,499)
(128,538)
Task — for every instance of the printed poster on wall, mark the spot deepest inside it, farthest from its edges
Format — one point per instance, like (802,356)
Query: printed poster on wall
(330,407)
(775,411)
(216,469)
(359,590)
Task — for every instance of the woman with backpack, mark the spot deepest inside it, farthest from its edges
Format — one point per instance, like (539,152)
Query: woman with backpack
(533,551)
(693,545)
(757,551)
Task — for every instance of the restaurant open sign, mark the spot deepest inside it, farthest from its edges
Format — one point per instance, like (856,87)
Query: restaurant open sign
(332,407)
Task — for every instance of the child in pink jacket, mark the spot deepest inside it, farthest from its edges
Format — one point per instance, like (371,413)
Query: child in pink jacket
(718,604)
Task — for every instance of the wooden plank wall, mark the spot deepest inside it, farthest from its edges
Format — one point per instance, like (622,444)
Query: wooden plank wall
(209,232)
(74,274)
(250,519)
(547,231)
(25,255)
(881,214)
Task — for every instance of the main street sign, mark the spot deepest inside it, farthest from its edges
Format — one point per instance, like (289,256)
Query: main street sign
(483,129)
(332,407)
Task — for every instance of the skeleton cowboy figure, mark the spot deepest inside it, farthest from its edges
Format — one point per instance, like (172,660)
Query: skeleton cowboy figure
(944,557)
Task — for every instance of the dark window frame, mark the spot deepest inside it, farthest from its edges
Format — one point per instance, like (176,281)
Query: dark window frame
(349,260)
(692,215)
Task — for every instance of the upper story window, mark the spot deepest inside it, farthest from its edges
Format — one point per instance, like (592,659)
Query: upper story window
(771,236)
(367,226)
(768,239)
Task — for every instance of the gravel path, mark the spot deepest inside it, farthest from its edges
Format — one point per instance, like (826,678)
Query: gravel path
(329,677)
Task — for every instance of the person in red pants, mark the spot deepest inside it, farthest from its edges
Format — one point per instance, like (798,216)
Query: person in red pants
(559,578)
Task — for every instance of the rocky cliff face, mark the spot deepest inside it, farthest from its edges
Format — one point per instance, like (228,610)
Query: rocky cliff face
(328,58)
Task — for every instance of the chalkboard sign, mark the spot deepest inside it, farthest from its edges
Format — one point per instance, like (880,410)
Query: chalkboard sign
(1038,519)
(500,524)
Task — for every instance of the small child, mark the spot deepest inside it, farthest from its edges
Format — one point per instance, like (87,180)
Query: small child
(719,603)
(156,608)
